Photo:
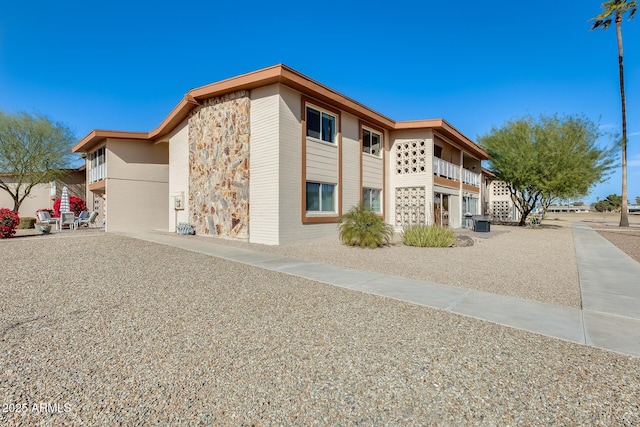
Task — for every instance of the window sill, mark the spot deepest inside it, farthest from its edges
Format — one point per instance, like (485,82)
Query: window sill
(319,141)
(319,218)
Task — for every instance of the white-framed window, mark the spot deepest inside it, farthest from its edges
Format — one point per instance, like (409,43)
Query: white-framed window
(371,199)
(97,166)
(371,142)
(321,125)
(321,197)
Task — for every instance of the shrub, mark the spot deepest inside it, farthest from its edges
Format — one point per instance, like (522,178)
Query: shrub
(26,222)
(76,204)
(9,220)
(431,236)
(365,228)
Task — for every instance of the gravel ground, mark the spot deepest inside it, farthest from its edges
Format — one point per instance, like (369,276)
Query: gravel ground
(536,264)
(101,329)
(626,239)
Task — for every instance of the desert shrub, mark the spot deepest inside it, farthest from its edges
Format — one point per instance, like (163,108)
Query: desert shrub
(9,220)
(26,222)
(76,204)
(429,236)
(365,228)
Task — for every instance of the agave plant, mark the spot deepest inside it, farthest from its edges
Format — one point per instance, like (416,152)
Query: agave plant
(365,228)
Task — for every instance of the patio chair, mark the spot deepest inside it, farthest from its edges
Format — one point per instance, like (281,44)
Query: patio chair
(67,218)
(46,218)
(87,221)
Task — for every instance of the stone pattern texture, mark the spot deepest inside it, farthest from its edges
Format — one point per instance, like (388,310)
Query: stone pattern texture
(219,166)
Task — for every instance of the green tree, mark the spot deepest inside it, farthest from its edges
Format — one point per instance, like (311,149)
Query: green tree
(614,201)
(614,10)
(637,200)
(33,150)
(546,159)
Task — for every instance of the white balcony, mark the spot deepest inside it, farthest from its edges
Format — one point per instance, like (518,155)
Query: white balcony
(97,173)
(446,169)
(470,178)
(450,171)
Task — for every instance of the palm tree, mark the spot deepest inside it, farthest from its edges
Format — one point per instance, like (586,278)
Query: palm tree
(615,9)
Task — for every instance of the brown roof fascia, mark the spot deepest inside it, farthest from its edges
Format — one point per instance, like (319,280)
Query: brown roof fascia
(448,130)
(487,172)
(96,136)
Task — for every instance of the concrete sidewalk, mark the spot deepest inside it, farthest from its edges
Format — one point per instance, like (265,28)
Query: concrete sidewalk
(610,317)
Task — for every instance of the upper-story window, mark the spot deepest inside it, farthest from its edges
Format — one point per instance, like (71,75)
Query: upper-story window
(97,167)
(371,142)
(321,125)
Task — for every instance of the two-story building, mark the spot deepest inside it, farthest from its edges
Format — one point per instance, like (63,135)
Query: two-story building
(273,157)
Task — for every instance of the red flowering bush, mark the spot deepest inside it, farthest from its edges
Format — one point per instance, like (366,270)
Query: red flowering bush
(76,204)
(9,220)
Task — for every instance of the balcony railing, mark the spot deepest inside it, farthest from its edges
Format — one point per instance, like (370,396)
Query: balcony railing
(449,170)
(446,169)
(96,173)
(470,178)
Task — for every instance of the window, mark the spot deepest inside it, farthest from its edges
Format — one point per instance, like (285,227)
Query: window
(371,142)
(97,170)
(371,199)
(321,125)
(437,151)
(320,197)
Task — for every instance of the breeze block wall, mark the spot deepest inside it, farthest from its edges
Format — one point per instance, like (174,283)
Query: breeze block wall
(219,132)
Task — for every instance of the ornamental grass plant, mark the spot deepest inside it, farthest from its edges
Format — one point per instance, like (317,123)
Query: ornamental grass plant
(365,228)
(428,236)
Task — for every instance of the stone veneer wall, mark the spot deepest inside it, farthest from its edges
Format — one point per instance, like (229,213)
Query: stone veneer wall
(219,166)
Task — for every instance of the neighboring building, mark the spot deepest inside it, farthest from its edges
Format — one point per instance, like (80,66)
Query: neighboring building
(498,204)
(273,157)
(569,209)
(43,195)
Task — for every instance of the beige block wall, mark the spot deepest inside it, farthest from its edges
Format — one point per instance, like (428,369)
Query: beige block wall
(136,205)
(178,174)
(449,153)
(264,153)
(351,193)
(137,160)
(137,185)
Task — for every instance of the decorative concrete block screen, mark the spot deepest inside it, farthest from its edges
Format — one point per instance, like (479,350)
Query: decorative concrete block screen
(410,206)
(501,211)
(500,188)
(411,157)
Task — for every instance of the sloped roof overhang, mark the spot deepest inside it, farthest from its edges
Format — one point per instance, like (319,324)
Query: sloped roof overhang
(286,76)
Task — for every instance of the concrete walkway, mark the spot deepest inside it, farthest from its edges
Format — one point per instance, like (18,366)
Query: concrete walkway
(609,282)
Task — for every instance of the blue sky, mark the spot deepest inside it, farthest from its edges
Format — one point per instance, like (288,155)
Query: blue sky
(124,65)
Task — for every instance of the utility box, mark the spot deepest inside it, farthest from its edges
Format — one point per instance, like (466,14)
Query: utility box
(481,224)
